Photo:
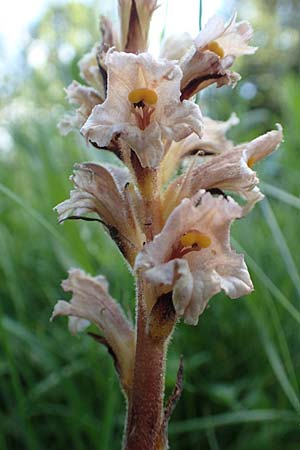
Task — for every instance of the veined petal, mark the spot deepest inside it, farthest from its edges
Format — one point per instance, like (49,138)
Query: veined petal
(211,31)
(233,38)
(230,274)
(167,119)
(201,69)
(230,171)
(214,138)
(181,120)
(203,271)
(262,146)
(213,141)
(104,190)
(147,144)
(84,96)
(176,46)
(91,302)
(216,47)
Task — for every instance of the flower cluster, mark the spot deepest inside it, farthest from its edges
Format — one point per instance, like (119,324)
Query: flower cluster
(167,204)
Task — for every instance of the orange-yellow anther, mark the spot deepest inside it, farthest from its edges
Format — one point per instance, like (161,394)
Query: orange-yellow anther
(213,46)
(251,161)
(195,238)
(148,96)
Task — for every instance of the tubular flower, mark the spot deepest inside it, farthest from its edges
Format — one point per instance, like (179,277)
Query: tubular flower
(142,107)
(192,257)
(108,192)
(217,46)
(229,171)
(91,302)
(226,40)
(213,141)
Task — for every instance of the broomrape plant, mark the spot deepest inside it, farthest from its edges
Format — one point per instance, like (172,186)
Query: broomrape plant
(164,205)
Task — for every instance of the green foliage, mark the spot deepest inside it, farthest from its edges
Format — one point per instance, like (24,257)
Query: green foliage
(242,368)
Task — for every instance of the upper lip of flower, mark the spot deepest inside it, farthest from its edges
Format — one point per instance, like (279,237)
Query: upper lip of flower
(230,39)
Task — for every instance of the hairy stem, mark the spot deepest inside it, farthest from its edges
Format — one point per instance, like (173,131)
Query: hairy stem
(145,409)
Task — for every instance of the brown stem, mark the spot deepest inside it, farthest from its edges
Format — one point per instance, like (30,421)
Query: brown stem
(148,184)
(145,409)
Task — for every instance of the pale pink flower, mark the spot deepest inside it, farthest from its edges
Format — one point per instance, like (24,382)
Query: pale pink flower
(213,141)
(230,171)
(217,46)
(108,192)
(192,255)
(142,107)
(91,303)
(226,39)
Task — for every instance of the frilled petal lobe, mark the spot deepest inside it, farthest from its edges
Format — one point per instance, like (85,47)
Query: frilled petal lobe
(89,71)
(176,46)
(201,69)
(84,96)
(213,141)
(168,118)
(195,274)
(216,47)
(91,303)
(107,191)
(230,171)
(232,38)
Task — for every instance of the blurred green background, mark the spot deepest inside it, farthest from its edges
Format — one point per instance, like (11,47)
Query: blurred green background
(242,362)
